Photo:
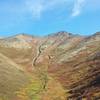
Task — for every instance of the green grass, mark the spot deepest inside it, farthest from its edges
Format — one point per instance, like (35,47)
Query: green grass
(31,92)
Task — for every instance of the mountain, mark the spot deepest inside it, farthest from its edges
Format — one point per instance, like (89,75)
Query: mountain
(20,41)
(65,65)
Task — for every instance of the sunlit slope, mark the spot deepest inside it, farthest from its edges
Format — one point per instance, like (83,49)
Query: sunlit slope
(12,78)
(71,61)
(78,69)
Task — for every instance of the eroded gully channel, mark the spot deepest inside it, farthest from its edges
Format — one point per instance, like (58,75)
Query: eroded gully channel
(35,66)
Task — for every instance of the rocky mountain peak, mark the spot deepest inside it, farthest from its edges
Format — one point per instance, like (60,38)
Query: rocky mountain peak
(97,33)
(60,34)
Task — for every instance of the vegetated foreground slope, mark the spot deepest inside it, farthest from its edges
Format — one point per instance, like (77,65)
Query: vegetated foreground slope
(12,78)
(66,66)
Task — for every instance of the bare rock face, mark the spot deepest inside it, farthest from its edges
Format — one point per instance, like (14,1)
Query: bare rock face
(71,60)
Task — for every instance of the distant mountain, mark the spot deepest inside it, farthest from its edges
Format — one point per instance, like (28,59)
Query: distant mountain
(21,41)
(67,65)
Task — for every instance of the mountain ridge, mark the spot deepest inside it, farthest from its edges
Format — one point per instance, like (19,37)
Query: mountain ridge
(50,34)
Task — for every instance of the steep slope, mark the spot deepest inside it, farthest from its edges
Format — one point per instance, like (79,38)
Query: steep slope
(12,78)
(68,58)
(54,45)
(78,69)
(37,88)
(20,48)
(69,62)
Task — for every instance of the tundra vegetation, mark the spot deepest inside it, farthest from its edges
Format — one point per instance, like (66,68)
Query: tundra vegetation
(61,66)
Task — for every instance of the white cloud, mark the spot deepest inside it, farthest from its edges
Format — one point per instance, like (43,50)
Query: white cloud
(35,8)
(78,5)
(32,8)
(38,7)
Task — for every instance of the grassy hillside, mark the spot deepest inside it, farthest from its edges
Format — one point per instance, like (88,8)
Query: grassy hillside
(12,78)
(62,65)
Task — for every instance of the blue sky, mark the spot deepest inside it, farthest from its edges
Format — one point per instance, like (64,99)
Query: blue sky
(42,17)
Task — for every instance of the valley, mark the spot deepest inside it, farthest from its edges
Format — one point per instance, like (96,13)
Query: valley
(60,66)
